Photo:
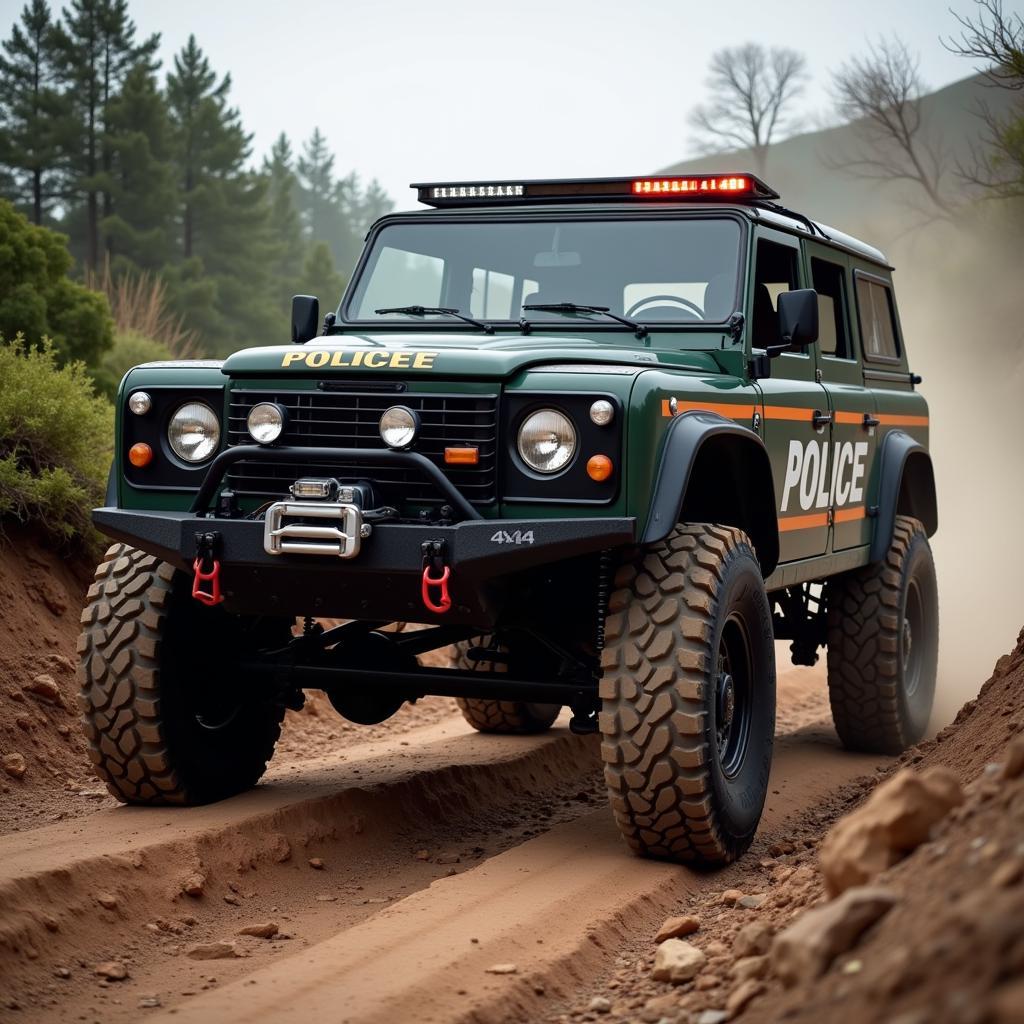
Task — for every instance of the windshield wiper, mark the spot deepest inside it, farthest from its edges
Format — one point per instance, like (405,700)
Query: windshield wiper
(436,311)
(573,307)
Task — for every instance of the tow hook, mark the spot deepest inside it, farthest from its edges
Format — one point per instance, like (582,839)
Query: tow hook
(435,575)
(206,569)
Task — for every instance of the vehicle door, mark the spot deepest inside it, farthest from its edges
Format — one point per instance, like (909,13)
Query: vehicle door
(795,404)
(852,405)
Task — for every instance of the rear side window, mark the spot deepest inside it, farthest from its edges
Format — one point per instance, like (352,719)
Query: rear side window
(830,283)
(877,320)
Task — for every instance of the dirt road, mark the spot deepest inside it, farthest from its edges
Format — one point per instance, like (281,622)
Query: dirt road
(396,874)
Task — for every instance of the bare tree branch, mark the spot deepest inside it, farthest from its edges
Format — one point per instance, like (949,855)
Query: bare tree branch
(752,89)
(881,94)
(996,39)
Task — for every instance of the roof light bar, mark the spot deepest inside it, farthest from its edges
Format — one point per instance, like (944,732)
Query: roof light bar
(687,187)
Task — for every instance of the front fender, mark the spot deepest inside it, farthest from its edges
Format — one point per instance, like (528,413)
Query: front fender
(696,435)
(906,487)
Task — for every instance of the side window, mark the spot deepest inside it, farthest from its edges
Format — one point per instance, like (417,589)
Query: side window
(775,271)
(829,281)
(877,320)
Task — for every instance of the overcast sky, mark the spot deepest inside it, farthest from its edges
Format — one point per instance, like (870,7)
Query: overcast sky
(413,90)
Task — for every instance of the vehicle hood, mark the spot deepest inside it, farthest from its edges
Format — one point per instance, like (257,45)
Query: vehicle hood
(461,355)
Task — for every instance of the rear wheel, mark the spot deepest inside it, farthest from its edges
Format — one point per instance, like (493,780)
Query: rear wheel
(168,716)
(501,716)
(688,697)
(883,645)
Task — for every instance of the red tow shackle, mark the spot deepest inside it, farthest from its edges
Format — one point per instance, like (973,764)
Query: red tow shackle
(441,582)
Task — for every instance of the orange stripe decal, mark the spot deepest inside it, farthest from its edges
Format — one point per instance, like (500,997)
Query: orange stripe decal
(803,522)
(731,410)
(892,420)
(849,515)
(785,412)
(850,417)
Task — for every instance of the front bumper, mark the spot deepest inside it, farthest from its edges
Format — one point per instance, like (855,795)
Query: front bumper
(384,580)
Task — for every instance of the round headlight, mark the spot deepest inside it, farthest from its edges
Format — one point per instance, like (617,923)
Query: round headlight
(547,441)
(602,412)
(399,427)
(265,422)
(194,432)
(140,403)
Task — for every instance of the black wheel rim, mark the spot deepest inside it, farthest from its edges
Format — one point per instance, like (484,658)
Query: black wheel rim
(733,686)
(911,639)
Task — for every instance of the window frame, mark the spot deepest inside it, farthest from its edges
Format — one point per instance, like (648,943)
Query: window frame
(844,269)
(897,334)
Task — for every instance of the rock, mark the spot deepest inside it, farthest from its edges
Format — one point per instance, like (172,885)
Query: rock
(711,1017)
(112,970)
(278,847)
(664,1007)
(14,765)
(1013,765)
(107,900)
(193,885)
(422,855)
(316,863)
(806,948)
(750,902)
(895,819)
(267,930)
(44,688)
(732,896)
(61,972)
(741,996)
(748,967)
(715,948)
(502,969)
(753,939)
(677,961)
(1008,873)
(447,858)
(213,951)
(232,900)
(676,927)
(703,982)
(63,729)
(149,1002)
(600,1005)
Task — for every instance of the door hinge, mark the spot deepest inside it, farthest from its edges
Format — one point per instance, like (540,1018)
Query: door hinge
(817,376)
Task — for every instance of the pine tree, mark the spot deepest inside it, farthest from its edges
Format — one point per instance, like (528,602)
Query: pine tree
(322,199)
(285,225)
(222,285)
(95,48)
(141,180)
(29,108)
(320,278)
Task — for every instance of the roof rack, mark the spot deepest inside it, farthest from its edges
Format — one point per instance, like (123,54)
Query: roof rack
(731,187)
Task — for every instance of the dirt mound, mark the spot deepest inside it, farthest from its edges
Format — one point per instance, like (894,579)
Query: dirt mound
(931,929)
(45,773)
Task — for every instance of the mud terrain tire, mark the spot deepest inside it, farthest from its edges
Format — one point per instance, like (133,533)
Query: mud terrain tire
(883,642)
(509,717)
(688,697)
(166,716)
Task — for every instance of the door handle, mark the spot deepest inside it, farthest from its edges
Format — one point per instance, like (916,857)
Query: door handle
(870,421)
(820,419)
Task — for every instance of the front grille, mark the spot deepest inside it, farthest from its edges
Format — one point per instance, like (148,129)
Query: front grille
(350,420)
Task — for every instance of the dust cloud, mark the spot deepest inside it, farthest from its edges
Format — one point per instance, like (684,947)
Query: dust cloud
(961,299)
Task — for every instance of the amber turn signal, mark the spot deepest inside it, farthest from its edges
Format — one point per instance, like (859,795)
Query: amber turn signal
(140,454)
(462,456)
(599,467)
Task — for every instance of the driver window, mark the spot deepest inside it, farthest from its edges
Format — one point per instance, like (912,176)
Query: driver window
(775,271)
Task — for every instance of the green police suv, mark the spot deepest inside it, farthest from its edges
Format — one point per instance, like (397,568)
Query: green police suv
(608,439)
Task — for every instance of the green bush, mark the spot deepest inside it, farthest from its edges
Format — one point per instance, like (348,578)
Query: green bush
(56,443)
(38,299)
(130,349)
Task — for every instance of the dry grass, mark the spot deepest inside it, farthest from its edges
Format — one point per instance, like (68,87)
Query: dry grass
(139,305)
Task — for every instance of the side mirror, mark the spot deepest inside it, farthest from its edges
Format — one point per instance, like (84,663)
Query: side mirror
(798,320)
(305,318)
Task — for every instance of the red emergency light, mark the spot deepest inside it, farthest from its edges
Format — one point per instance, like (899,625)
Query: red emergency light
(731,187)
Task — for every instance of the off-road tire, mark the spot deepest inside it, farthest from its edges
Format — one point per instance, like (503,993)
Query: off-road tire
(669,614)
(145,741)
(881,700)
(510,717)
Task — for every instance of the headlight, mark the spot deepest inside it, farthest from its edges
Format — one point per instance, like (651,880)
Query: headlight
(194,432)
(266,422)
(547,441)
(399,427)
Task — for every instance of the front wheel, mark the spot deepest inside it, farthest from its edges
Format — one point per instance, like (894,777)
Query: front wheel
(688,697)
(167,715)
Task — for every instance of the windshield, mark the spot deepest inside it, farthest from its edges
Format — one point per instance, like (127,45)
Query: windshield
(681,270)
